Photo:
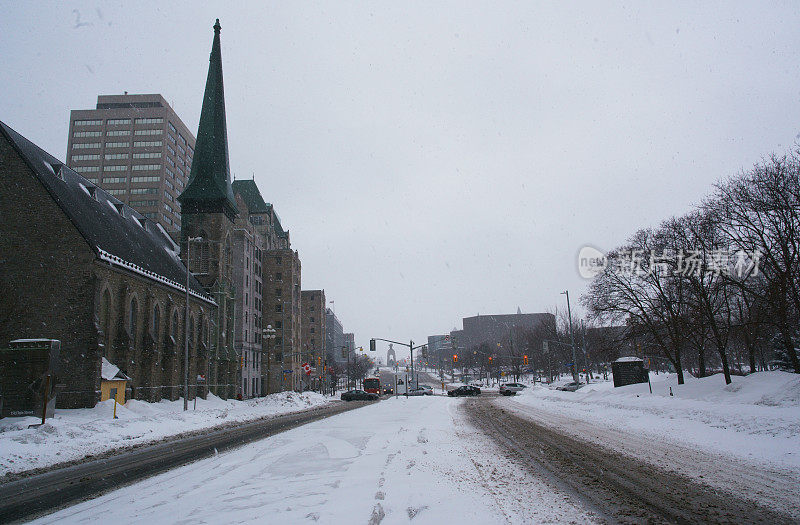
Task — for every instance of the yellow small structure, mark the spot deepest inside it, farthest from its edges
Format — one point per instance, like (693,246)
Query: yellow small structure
(112,383)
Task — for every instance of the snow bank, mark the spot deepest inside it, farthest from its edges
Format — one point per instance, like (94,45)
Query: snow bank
(756,417)
(78,433)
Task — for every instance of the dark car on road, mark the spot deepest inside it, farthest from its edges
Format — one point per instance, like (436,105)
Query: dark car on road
(358,395)
(466,390)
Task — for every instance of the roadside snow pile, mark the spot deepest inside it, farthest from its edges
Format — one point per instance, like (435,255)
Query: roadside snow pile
(78,433)
(756,417)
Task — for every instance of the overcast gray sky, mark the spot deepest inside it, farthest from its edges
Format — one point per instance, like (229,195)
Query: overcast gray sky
(438,160)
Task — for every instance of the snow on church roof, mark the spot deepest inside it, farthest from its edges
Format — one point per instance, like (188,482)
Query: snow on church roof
(116,232)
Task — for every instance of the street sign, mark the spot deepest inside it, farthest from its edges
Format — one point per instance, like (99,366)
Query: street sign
(287,371)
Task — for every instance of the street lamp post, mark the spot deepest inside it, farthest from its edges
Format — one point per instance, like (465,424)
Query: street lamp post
(269,335)
(572,339)
(189,241)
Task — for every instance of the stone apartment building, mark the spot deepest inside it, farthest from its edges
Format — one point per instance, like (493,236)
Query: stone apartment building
(281,296)
(80,266)
(137,149)
(248,246)
(313,326)
(282,310)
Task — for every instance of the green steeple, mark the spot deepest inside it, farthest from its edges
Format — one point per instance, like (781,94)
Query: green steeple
(209,187)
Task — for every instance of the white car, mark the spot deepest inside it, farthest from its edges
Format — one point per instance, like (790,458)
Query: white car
(510,389)
(421,390)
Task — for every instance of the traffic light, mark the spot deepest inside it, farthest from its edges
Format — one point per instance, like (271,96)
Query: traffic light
(525,359)
(455,358)
(372,345)
(490,360)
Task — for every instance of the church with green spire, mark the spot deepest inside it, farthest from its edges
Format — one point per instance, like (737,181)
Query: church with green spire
(208,212)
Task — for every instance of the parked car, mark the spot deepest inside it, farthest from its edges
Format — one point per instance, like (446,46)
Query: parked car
(358,395)
(421,390)
(510,389)
(466,390)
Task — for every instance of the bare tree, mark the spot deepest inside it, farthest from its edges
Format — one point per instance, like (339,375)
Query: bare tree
(642,293)
(759,213)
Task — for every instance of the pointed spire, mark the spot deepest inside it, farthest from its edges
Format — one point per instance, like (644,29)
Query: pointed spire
(209,187)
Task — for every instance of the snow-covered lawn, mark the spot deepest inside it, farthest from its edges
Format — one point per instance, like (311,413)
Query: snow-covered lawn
(74,434)
(756,418)
(390,462)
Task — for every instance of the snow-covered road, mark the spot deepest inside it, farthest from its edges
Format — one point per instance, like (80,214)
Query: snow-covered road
(396,461)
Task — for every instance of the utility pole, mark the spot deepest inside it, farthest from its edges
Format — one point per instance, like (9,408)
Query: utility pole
(572,339)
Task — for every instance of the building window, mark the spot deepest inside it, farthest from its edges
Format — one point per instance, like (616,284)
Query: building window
(119,133)
(86,145)
(312,319)
(278,324)
(115,191)
(146,167)
(79,134)
(156,322)
(312,330)
(118,121)
(147,143)
(115,156)
(174,328)
(105,315)
(88,122)
(115,167)
(117,144)
(145,179)
(171,138)
(133,312)
(86,169)
(171,127)
(155,155)
(144,191)
(143,203)
(114,180)
(148,132)
(158,120)
(278,276)
(85,157)
(180,138)
(278,308)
